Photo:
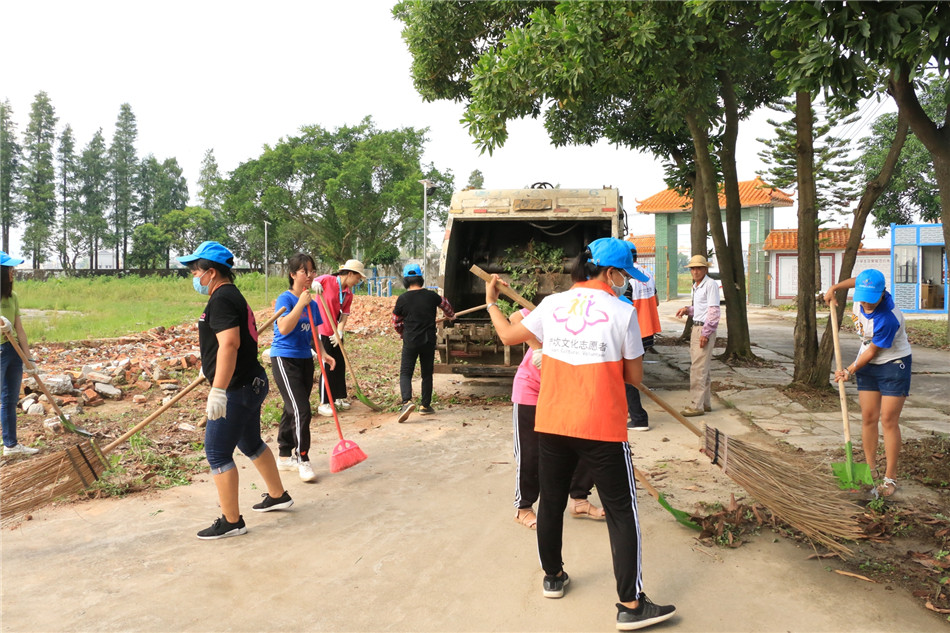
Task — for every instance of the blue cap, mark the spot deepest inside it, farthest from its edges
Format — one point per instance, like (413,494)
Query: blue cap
(6,260)
(633,249)
(609,251)
(869,286)
(212,251)
(412,270)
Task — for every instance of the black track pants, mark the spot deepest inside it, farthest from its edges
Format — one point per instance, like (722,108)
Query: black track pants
(294,378)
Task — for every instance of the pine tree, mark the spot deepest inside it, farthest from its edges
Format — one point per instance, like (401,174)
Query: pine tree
(89,226)
(210,184)
(68,190)
(123,165)
(39,179)
(10,165)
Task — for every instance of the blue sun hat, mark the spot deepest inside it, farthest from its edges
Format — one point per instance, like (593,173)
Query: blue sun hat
(412,270)
(869,286)
(609,251)
(6,260)
(212,251)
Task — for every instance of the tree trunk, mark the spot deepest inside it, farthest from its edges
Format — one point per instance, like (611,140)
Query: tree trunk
(872,191)
(735,303)
(806,335)
(738,341)
(936,140)
(697,235)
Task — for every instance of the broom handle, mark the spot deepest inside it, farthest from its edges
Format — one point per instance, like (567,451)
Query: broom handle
(841,394)
(339,342)
(663,403)
(464,312)
(11,338)
(323,372)
(505,290)
(178,396)
(638,474)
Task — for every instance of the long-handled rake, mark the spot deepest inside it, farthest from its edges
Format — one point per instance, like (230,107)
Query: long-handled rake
(34,483)
(339,339)
(63,418)
(806,500)
(345,453)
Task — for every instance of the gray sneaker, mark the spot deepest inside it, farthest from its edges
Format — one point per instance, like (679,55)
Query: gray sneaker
(407,408)
(646,614)
(287,463)
(19,449)
(553,586)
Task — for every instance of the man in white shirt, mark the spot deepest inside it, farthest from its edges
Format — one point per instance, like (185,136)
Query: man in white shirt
(705,313)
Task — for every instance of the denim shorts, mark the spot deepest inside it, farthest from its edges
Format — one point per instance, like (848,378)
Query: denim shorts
(239,428)
(891,379)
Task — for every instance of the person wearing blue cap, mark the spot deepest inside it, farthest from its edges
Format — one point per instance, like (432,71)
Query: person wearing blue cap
(642,295)
(291,358)
(11,365)
(882,369)
(414,320)
(592,346)
(227,338)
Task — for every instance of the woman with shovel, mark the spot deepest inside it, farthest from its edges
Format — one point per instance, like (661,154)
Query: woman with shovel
(227,337)
(882,368)
(291,359)
(11,366)
(338,295)
(591,347)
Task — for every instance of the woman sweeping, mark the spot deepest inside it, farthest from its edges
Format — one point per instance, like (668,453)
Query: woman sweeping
(291,360)
(227,337)
(337,291)
(882,369)
(11,365)
(591,347)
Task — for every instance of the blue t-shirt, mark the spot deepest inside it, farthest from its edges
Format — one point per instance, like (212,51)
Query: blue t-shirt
(299,343)
(885,328)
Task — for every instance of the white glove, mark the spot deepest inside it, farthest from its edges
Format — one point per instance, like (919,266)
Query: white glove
(217,403)
(536,358)
(6,325)
(317,287)
(335,339)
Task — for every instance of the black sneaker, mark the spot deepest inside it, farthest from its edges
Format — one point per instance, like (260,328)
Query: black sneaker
(270,503)
(426,410)
(554,585)
(222,529)
(638,426)
(407,408)
(646,614)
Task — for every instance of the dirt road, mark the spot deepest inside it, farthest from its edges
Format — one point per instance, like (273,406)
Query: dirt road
(419,537)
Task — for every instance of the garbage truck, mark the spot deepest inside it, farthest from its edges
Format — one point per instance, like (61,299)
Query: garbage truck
(528,237)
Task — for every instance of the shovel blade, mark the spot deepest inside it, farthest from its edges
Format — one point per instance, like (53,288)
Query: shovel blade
(682,517)
(849,474)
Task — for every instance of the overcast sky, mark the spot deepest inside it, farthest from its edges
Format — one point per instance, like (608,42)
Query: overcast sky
(233,76)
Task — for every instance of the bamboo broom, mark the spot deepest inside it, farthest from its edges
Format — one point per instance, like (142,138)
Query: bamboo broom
(33,483)
(806,501)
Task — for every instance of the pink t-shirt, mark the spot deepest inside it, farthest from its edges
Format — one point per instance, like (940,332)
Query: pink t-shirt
(527,383)
(338,301)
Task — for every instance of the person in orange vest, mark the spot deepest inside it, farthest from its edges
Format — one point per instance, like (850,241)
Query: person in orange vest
(642,294)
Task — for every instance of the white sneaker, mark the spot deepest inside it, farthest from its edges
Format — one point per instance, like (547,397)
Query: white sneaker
(306,472)
(342,405)
(324,409)
(286,463)
(19,449)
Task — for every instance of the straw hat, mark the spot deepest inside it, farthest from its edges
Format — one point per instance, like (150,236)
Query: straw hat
(354,265)
(697,261)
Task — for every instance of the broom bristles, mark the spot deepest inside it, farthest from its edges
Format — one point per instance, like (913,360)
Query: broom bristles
(30,485)
(806,500)
(345,454)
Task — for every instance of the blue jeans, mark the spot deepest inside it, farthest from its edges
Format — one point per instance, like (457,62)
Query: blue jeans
(240,427)
(11,377)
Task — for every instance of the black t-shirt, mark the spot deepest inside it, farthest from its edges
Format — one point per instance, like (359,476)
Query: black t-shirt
(417,309)
(227,309)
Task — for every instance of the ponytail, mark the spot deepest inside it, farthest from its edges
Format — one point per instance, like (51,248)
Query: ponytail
(582,269)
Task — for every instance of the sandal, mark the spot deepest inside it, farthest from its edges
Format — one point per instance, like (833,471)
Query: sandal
(584,509)
(527,518)
(888,487)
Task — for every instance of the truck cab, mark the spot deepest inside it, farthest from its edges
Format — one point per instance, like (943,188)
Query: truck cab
(499,230)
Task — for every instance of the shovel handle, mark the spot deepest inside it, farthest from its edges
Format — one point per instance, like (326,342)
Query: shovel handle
(669,409)
(638,474)
(502,288)
(833,304)
(339,341)
(464,312)
(12,339)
